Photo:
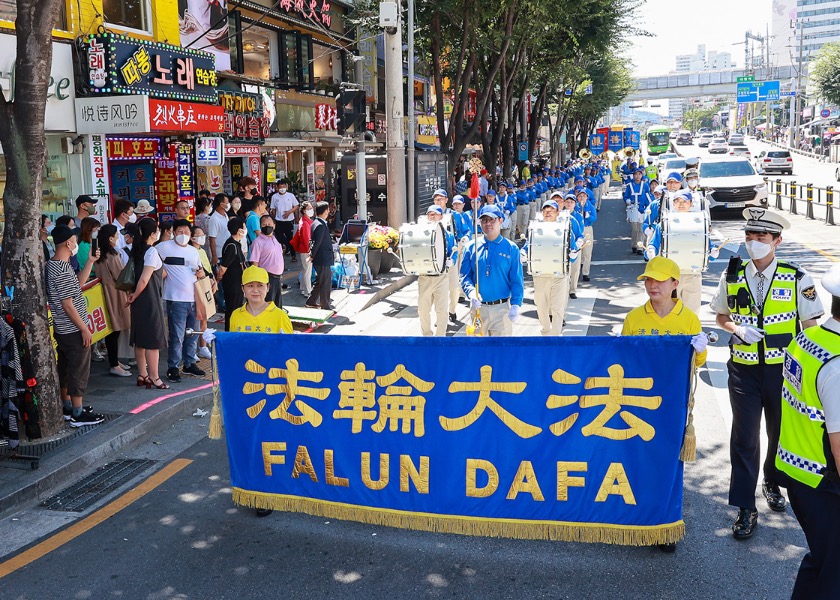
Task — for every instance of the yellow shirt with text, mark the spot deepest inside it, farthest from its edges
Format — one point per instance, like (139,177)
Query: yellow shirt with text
(271,320)
(680,321)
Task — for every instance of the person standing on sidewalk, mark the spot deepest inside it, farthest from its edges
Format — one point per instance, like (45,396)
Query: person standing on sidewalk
(183,267)
(301,243)
(322,258)
(110,266)
(70,319)
(809,446)
(284,209)
(267,253)
(217,229)
(764,303)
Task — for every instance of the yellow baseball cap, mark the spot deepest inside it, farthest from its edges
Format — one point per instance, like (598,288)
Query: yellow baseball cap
(254,273)
(660,269)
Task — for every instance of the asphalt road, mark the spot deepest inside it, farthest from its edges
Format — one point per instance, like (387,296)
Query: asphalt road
(185,539)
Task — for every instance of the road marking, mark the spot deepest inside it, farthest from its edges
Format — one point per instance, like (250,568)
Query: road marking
(92,520)
(601,263)
(827,255)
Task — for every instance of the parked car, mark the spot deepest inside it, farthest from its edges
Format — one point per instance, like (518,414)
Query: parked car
(778,161)
(718,146)
(736,139)
(731,183)
(705,139)
(684,138)
(740,151)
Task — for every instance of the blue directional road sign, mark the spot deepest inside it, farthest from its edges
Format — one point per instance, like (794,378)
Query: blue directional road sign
(758,91)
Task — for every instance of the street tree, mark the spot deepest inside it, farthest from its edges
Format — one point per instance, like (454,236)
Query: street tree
(24,145)
(825,73)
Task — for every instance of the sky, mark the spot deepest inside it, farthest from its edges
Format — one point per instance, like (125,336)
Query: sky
(680,25)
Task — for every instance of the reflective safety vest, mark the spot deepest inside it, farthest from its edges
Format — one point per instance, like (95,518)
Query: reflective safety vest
(778,317)
(803,451)
(652,172)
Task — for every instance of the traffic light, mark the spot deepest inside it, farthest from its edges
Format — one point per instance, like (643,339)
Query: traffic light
(351,111)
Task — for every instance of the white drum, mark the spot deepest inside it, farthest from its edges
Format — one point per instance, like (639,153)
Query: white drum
(685,239)
(423,248)
(548,246)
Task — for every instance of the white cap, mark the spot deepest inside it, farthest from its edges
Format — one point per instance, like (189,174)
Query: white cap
(831,281)
(761,219)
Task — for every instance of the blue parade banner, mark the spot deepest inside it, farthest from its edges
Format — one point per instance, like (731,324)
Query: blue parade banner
(571,438)
(616,141)
(596,142)
(627,138)
(635,139)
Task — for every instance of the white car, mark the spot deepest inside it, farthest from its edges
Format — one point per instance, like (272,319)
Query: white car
(705,139)
(740,151)
(779,161)
(732,183)
(718,146)
(669,166)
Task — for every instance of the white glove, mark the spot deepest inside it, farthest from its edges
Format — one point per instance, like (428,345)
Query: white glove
(580,242)
(650,253)
(699,342)
(475,303)
(649,231)
(465,239)
(586,214)
(749,334)
(523,256)
(513,314)
(209,335)
(714,252)
(647,210)
(573,255)
(450,263)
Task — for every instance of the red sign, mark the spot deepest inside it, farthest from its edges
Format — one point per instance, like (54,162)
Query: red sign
(238,150)
(326,117)
(166,115)
(166,184)
(310,10)
(604,131)
(128,148)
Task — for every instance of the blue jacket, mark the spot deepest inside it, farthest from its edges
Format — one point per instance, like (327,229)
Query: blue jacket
(587,213)
(522,197)
(638,193)
(499,270)
(463,224)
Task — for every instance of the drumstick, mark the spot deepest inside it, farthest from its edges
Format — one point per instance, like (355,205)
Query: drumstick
(723,243)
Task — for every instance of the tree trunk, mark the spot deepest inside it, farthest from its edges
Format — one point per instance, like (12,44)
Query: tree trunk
(24,144)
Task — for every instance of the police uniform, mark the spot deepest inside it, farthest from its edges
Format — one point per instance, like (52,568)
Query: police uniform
(491,276)
(806,455)
(433,290)
(768,308)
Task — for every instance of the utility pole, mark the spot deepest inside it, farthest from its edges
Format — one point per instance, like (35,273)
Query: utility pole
(796,115)
(411,182)
(361,167)
(394,122)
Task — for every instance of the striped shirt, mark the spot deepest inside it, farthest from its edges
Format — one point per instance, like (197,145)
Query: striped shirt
(63,283)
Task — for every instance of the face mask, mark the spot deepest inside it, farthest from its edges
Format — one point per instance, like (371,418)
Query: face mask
(74,250)
(49,229)
(267,229)
(132,218)
(157,235)
(182,239)
(692,183)
(281,190)
(310,213)
(758,250)
(242,233)
(200,240)
(94,234)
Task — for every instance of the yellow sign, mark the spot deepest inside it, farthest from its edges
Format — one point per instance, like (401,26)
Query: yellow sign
(100,321)
(427,130)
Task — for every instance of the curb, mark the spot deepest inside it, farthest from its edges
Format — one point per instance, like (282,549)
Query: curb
(83,453)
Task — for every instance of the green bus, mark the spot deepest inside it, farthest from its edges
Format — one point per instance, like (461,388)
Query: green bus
(658,139)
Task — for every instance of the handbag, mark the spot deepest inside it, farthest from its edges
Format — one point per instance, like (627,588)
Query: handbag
(205,304)
(126,281)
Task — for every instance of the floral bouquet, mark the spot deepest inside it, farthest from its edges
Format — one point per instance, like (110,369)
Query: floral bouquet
(381,237)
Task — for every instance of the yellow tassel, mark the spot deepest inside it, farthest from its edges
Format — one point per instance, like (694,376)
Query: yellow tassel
(508,528)
(688,452)
(214,432)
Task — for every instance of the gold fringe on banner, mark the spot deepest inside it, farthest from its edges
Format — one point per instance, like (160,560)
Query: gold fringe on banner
(214,432)
(688,452)
(627,535)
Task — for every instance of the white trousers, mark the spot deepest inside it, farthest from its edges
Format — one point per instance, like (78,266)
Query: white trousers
(532,213)
(495,319)
(637,236)
(551,295)
(574,275)
(690,290)
(522,213)
(586,253)
(432,290)
(453,275)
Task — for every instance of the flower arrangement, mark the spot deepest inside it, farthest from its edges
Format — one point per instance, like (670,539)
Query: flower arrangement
(381,237)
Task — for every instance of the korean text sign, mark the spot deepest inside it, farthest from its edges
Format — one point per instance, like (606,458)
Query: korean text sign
(568,438)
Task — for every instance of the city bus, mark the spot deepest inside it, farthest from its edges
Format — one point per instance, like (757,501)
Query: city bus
(658,140)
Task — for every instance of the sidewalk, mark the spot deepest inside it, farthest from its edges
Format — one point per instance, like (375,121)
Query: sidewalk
(134,412)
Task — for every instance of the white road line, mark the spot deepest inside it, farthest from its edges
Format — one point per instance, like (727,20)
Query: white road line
(601,263)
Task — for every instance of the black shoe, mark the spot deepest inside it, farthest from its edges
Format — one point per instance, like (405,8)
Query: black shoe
(294,258)
(68,412)
(284,286)
(586,277)
(173,375)
(85,419)
(453,317)
(263,512)
(193,370)
(744,526)
(668,548)
(573,296)
(774,497)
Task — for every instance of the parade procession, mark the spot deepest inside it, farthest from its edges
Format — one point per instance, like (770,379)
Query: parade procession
(344,299)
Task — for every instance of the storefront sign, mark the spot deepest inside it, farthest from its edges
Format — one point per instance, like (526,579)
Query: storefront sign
(97,153)
(243,117)
(232,150)
(133,148)
(166,115)
(309,10)
(125,65)
(186,183)
(166,184)
(326,117)
(209,151)
(427,130)
(61,94)
(210,178)
(113,114)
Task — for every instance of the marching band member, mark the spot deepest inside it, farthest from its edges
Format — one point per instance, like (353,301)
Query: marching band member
(586,209)
(433,290)
(440,197)
(763,303)
(637,197)
(691,284)
(652,212)
(463,224)
(533,196)
(522,208)
(627,170)
(578,230)
(491,275)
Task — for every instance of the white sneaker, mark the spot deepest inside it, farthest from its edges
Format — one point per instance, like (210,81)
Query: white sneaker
(96,356)
(120,372)
(204,352)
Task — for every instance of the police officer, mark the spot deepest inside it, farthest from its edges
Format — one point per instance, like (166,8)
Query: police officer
(433,290)
(491,275)
(809,447)
(637,197)
(651,170)
(763,303)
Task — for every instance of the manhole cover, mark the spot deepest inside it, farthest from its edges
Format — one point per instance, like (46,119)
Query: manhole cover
(96,486)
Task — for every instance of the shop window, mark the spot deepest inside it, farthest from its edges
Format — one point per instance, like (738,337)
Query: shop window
(55,188)
(258,49)
(291,56)
(8,12)
(305,63)
(130,14)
